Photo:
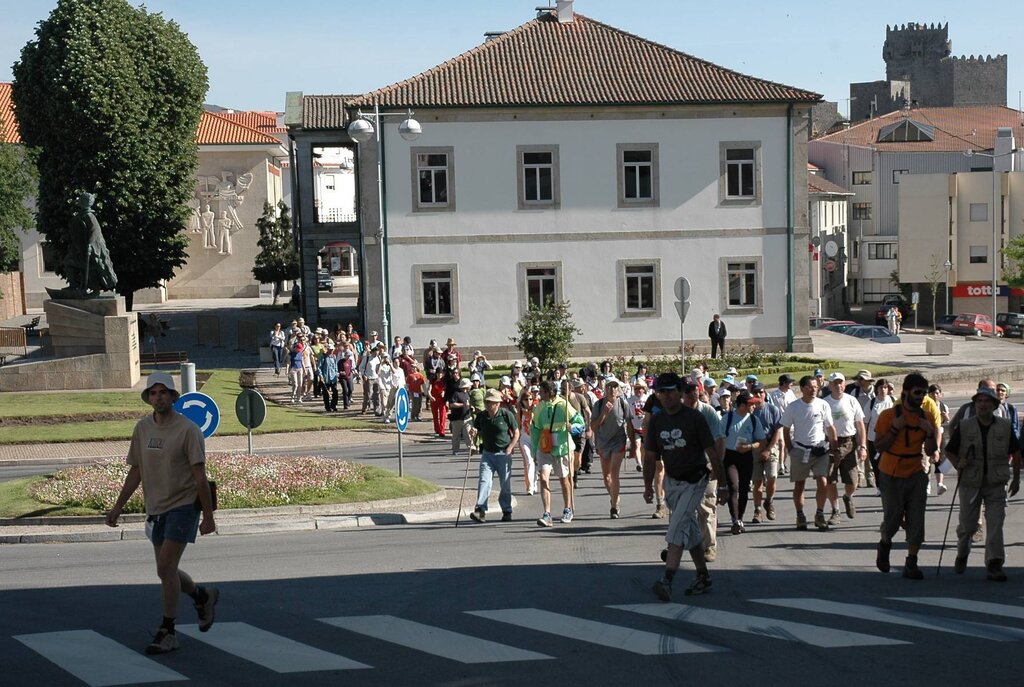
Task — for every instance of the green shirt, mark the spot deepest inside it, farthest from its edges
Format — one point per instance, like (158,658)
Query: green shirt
(476,399)
(495,432)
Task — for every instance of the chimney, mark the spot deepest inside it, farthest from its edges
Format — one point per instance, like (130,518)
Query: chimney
(564,10)
(1003,161)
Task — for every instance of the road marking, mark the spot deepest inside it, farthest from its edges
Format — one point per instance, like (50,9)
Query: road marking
(280,654)
(432,640)
(966,605)
(885,615)
(614,636)
(97,660)
(765,627)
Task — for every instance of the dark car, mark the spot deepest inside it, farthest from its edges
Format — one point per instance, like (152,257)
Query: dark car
(888,301)
(872,333)
(840,326)
(324,281)
(944,323)
(1012,323)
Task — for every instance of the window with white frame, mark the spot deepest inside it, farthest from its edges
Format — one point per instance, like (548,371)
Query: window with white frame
(862,211)
(739,173)
(640,287)
(742,284)
(861,178)
(433,172)
(978,254)
(541,286)
(537,176)
(882,251)
(436,293)
(979,212)
(637,174)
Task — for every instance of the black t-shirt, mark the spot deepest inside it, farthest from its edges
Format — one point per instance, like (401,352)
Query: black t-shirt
(680,440)
(459,413)
(652,405)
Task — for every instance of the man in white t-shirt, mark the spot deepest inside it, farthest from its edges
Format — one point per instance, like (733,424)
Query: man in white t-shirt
(810,437)
(851,446)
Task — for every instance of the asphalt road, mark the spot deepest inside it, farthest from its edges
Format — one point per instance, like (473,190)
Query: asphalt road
(504,604)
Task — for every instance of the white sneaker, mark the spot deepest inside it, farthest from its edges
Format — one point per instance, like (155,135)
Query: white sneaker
(942,489)
(928,489)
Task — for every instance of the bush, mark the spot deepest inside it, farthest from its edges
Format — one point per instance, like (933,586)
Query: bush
(547,334)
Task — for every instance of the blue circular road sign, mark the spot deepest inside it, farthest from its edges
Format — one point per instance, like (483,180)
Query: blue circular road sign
(402,409)
(200,409)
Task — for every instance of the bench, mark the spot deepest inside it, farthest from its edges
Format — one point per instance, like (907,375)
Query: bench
(156,359)
(30,328)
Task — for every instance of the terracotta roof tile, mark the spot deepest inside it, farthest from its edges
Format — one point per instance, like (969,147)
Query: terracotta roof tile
(820,186)
(8,122)
(583,62)
(954,129)
(215,129)
(325,111)
(260,121)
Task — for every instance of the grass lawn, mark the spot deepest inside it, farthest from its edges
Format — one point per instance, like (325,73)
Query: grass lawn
(70,416)
(379,485)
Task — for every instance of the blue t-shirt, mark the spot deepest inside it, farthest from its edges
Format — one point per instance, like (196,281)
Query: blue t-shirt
(741,429)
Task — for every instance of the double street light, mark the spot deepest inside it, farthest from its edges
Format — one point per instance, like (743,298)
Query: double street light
(364,126)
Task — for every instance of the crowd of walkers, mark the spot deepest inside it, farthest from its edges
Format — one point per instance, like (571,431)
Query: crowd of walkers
(699,443)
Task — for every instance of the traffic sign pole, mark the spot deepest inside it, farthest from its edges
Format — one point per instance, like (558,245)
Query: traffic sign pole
(682,289)
(402,424)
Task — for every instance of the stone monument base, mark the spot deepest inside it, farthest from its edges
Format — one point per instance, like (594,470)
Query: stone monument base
(96,344)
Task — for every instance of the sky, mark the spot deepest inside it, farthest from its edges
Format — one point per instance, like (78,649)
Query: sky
(257,50)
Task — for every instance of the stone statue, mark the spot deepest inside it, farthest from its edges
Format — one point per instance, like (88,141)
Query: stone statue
(224,233)
(209,233)
(87,265)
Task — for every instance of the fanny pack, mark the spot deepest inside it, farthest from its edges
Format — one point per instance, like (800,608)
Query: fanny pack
(816,451)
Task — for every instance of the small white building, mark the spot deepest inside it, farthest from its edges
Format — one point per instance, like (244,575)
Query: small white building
(569,160)
(828,251)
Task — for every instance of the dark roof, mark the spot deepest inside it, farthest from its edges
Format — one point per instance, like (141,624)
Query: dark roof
(582,62)
(325,111)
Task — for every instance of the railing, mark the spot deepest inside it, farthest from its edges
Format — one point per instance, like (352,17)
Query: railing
(325,215)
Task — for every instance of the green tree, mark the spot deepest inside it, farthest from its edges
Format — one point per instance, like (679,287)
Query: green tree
(1014,253)
(18,184)
(934,279)
(110,96)
(547,333)
(277,259)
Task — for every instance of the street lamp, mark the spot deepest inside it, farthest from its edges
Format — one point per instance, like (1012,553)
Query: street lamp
(995,233)
(948,265)
(365,126)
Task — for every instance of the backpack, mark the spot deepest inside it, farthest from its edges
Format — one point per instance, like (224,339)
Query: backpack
(728,422)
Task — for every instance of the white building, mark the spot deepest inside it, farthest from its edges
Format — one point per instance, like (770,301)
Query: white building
(568,160)
(827,254)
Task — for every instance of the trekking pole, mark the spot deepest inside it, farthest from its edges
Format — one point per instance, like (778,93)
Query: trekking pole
(465,481)
(945,534)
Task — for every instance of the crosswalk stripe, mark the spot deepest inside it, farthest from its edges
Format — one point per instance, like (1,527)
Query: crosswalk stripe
(885,615)
(614,636)
(280,654)
(432,640)
(765,627)
(966,605)
(97,660)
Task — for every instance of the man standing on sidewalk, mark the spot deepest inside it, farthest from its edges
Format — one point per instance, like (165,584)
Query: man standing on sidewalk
(167,456)
(717,333)
(498,432)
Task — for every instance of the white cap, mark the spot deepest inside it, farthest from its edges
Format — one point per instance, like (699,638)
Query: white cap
(160,378)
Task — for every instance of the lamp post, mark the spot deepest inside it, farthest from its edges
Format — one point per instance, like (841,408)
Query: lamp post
(995,230)
(948,265)
(365,126)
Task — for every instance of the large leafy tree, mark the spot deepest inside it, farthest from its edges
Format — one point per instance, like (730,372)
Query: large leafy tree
(1014,252)
(17,185)
(547,333)
(110,95)
(277,259)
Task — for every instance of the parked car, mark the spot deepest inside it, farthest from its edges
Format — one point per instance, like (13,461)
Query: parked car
(840,326)
(944,323)
(324,281)
(873,333)
(889,300)
(1012,323)
(974,323)
(821,322)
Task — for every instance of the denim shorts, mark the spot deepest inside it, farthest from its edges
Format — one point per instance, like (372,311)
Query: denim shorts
(180,524)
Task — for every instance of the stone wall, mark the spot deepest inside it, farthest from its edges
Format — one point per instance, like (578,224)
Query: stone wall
(977,81)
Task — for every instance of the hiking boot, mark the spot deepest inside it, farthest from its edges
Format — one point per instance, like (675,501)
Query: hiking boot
(801,521)
(659,512)
(664,555)
(614,514)
(737,527)
(769,510)
(710,554)
(960,565)
(833,519)
(910,569)
(995,570)
(942,488)
(544,520)
(882,557)
(819,521)
(567,515)
(478,515)
(757,517)
(506,517)
(851,510)
(977,536)
(700,585)
(205,609)
(663,589)
(164,641)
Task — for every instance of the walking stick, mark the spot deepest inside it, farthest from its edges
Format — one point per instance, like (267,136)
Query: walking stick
(945,534)
(465,481)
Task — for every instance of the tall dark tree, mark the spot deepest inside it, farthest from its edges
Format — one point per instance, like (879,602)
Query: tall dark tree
(17,186)
(277,259)
(110,95)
